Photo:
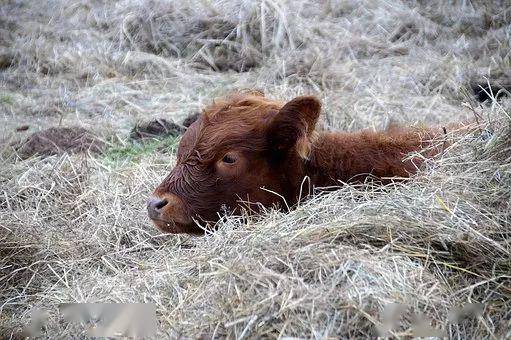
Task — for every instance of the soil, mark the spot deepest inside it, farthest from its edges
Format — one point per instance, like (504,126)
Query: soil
(157,128)
(56,140)
(191,119)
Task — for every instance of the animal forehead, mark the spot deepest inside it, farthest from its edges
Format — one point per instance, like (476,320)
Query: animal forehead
(236,117)
(240,108)
(227,122)
(208,138)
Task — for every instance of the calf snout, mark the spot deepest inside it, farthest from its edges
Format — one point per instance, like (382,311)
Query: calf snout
(168,213)
(154,206)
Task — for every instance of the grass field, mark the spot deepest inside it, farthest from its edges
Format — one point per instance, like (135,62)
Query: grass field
(73,226)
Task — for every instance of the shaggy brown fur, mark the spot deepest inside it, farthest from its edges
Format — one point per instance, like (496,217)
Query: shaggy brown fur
(247,151)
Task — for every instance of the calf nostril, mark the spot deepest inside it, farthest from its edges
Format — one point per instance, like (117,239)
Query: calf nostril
(161,204)
(154,205)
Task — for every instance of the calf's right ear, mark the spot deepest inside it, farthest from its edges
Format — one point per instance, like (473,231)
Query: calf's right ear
(293,126)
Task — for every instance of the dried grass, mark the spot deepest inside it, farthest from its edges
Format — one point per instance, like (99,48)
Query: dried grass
(74,229)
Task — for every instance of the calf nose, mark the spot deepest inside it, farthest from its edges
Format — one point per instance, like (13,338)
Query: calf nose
(168,211)
(154,206)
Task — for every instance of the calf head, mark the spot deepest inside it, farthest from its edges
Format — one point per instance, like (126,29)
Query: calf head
(243,152)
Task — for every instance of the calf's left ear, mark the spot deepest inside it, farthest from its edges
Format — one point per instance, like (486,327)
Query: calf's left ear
(293,126)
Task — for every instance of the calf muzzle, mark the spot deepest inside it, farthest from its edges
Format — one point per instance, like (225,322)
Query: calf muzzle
(168,213)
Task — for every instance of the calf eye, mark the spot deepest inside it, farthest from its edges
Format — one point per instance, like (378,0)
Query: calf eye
(228,159)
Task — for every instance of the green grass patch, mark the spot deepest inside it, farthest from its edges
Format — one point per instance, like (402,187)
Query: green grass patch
(135,150)
(6,98)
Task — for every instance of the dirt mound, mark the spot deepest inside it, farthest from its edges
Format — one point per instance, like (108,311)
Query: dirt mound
(156,128)
(191,119)
(57,140)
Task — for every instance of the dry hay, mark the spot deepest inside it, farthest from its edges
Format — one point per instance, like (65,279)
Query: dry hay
(74,228)
(328,268)
(498,87)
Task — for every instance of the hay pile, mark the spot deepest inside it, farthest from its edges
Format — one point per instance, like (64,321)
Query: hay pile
(73,227)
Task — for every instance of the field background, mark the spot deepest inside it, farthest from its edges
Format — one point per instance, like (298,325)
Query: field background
(73,227)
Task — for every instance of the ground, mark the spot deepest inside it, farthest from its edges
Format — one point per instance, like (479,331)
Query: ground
(73,226)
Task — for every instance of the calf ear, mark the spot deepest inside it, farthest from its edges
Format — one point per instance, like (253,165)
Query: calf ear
(293,126)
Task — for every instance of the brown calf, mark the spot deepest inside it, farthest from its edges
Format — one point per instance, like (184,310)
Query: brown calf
(248,149)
